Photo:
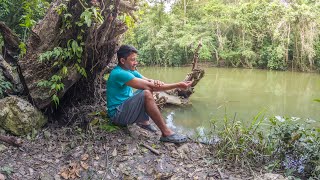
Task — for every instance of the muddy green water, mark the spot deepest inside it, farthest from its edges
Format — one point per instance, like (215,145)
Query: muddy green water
(242,93)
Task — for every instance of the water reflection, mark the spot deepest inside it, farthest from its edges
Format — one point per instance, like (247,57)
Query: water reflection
(243,92)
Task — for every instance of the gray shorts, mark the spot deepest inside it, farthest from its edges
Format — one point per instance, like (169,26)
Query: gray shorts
(131,111)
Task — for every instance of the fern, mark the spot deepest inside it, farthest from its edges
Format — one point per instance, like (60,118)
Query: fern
(4,85)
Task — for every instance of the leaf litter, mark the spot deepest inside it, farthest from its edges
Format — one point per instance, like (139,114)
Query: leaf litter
(68,153)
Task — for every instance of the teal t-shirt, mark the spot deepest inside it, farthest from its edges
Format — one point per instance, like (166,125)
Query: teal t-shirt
(117,90)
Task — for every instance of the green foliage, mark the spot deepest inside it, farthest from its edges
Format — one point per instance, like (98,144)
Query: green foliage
(23,49)
(239,143)
(296,147)
(55,86)
(4,85)
(317,55)
(69,55)
(21,15)
(262,33)
(287,145)
(107,126)
(273,56)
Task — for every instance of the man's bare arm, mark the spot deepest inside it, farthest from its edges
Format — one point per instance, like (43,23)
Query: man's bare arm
(155,82)
(138,83)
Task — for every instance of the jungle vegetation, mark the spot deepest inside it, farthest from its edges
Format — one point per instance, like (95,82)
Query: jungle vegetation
(268,34)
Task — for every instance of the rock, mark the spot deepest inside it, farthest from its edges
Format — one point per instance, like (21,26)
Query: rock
(57,177)
(175,100)
(45,176)
(2,131)
(270,176)
(2,177)
(19,116)
(2,148)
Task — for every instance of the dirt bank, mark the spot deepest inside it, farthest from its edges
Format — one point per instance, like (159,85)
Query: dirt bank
(68,152)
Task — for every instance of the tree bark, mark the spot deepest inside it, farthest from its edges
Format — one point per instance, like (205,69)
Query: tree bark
(11,44)
(11,140)
(101,42)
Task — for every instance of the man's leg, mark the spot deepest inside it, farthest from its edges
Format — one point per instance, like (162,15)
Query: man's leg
(154,112)
(131,111)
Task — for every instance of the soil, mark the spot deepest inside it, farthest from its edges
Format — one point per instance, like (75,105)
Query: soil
(70,153)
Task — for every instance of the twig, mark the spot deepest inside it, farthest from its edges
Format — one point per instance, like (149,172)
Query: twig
(151,149)
(11,140)
(220,173)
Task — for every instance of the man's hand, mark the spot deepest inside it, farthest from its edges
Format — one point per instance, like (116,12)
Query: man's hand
(158,83)
(185,84)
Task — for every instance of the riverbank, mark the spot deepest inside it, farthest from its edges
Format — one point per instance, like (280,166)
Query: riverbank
(68,152)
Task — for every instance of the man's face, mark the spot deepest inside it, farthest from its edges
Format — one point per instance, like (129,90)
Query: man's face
(131,62)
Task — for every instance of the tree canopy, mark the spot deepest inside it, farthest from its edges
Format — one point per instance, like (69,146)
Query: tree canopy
(270,34)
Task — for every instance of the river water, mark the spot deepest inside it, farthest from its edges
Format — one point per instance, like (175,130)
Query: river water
(242,93)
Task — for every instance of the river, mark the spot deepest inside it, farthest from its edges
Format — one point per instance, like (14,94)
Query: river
(242,93)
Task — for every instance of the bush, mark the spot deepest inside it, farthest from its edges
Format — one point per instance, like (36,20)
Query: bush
(287,145)
(295,147)
(241,144)
(274,56)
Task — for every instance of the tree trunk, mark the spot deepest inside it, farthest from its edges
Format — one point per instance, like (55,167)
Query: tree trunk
(100,44)
(81,92)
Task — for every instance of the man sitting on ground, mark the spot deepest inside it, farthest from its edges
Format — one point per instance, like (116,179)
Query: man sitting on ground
(126,107)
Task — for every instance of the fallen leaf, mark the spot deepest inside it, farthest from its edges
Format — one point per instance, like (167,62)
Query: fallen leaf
(84,165)
(84,157)
(65,174)
(114,152)
(71,172)
(94,122)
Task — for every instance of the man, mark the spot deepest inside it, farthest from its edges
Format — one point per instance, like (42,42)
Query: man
(126,107)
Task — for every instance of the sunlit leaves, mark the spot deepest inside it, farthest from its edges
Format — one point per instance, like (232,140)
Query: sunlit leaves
(64,70)
(55,99)
(86,16)
(23,49)
(81,70)
(61,8)
(55,85)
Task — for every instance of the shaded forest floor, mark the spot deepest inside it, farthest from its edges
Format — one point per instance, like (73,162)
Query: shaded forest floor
(67,152)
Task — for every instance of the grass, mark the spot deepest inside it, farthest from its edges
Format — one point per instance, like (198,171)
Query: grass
(288,146)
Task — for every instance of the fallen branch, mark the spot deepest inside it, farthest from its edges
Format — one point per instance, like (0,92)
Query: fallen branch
(196,56)
(195,75)
(11,140)
(151,149)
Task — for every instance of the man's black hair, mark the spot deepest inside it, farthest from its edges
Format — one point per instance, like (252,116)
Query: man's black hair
(125,51)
